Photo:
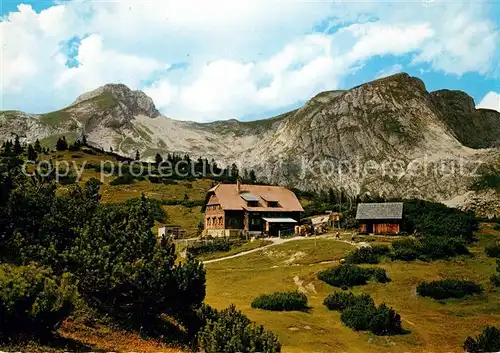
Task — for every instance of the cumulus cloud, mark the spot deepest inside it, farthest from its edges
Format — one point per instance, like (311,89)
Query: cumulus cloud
(394,69)
(238,57)
(98,66)
(490,101)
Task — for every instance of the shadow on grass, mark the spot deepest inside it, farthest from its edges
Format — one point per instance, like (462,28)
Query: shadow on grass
(307,310)
(69,344)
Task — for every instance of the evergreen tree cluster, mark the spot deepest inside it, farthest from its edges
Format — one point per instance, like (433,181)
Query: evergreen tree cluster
(120,267)
(10,148)
(62,245)
(13,149)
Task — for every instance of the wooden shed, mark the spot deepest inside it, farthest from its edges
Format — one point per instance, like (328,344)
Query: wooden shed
(380,218)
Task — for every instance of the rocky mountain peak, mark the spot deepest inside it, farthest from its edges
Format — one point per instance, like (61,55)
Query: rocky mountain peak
(136,101)
(460,99)
(400,80)
(476,128)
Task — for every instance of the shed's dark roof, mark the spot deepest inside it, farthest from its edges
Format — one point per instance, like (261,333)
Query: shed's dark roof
(388,210)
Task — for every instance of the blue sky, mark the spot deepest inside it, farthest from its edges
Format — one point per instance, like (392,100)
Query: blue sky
(213,60)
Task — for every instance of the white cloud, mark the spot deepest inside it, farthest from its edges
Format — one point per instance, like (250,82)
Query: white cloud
(378,38)
(394,69)
(98,66)
(490,101)
(241,57)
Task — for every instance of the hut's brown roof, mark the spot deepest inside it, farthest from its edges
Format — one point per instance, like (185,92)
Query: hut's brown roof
(230,198)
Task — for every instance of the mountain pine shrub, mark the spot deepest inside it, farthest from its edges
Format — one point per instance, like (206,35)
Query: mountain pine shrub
(360,313)
(33,302)
(281,301)
(346,276)
(493,250)
(341,300)
(367,254)
(230,331)
(487,341)
(448,288)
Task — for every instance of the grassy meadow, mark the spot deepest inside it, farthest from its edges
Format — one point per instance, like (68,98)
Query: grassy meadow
(433,326)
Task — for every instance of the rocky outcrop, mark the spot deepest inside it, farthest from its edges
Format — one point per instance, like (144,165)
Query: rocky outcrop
(476,128)
(132,102)
(27,126)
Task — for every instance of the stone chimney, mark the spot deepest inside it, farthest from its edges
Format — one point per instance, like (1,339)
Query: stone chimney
(238,186)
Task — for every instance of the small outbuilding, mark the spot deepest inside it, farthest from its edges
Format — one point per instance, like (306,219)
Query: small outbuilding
(380,218)
(279,226)
(171,230)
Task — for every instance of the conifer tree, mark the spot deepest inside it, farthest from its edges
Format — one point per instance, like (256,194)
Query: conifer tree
(61,144)
(253,178)
(18,149)
(158,159)
(38,147)
(32,155)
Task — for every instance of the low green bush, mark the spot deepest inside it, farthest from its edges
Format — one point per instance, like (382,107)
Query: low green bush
(123,180)
(442,247)
(346,276)
(154,179)
(437,220)
(340,300)
(493,250)
(231,331)
(379,274)
(154,207)
(365,316)
(367,254)
(448,288)
(67,179)
(360,313)
(214,245)
(487,341)
(495,279)
(385,321)
(406,250)
(33,302)
(281,301)
(428,248)
(497,227)
(358,316)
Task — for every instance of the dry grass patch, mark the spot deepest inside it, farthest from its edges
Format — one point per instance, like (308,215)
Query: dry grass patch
(187,218)
(106,339)
(258,243)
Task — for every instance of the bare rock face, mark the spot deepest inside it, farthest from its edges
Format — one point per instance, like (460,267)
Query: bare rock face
(476,128)
(388,137)
(134,102)
(27,126)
